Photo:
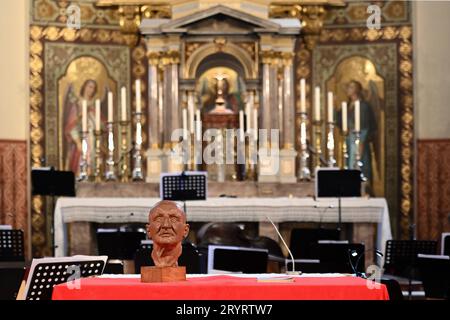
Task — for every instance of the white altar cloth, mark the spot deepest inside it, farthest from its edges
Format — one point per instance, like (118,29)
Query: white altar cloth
(126,210)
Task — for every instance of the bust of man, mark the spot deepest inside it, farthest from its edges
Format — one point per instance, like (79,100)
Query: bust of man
(167,228)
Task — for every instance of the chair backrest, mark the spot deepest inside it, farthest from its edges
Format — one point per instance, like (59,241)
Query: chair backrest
(435,275)
(237,259)
(303,241)
(400,258)
(117,244)
(393,288)
(190,257)
(11,245)
(11,275)
(337,257)
(445,244)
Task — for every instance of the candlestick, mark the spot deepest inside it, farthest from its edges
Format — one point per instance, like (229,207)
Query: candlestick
(123,105)
(84,116)
(358,164)
(357,116)
(83,174)
(345,155)
(344,117)
(331,161)
(317,104)
(317,125)
(241,125)
(137,173)
(255,123)
(138,96)
(303,171)
(198,125)
(110,107)
(330,107)
(97,115)
(302,95)
(110,172)
(98,156)
(124,152)
(248,111)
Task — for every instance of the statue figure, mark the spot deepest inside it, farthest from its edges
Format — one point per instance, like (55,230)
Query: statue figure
(167,228)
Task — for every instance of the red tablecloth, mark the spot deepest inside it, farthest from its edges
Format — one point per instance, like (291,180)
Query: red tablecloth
(222,288)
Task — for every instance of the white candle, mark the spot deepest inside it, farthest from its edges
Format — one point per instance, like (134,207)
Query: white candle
(198,127)
(303,133)
(344,116)
(191,112)
(123,105)
(317,104)
(255,123)
(357,116)
(302,95)
(97,115)
(330,107)
(248,108)
(84,116)
(138,96)
(110,107)
(241,125)
(184,114)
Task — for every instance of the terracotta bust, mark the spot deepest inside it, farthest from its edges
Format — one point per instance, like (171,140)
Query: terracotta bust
(167,228)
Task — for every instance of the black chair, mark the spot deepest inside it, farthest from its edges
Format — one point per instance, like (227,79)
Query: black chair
(445,244)
(435,275)
(114,267)
(11,245)
(400,258)
(341,257)
(119,243)
(303,241)
(232,259)
(11,276)
(393,288)
(190,257)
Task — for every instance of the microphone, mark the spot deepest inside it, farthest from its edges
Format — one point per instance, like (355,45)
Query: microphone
(354,253)
(293,272)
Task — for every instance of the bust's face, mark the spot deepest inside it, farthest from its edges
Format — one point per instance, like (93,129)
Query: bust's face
(167,224)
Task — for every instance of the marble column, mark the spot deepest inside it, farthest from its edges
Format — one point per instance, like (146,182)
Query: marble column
(171,113)
(268,165)
(154,154)
(288,153)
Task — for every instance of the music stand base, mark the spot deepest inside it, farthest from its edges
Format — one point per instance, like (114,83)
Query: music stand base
(163,274)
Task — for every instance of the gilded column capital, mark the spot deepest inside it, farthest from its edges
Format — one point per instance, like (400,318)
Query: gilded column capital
(154,58)
(170,57)
(269,57)
(287,58)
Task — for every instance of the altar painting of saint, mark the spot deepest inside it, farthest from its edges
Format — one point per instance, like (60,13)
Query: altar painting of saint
(86,79)
(356,78)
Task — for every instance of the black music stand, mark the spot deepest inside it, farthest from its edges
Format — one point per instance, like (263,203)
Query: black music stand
(337,183)
(401,257)
(11,245)
(46,273)
(53,183)
(184,186)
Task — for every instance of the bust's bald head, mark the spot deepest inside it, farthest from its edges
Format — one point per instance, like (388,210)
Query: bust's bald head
(167,223)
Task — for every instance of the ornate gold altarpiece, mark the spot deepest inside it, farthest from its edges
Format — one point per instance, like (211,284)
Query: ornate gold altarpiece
(175,46)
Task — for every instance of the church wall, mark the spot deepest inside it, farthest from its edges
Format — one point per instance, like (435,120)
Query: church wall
(432,66)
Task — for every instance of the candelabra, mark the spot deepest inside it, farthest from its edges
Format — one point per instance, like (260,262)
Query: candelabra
(303,171)
(124,152)
(317,125)
(331,161)
(251,157)
(358,164)
(192,165)
(110,172)
(345,150)
(83,174)
(137,173)
(98,156)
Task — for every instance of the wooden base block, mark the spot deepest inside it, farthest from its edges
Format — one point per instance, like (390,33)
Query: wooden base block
(163,274)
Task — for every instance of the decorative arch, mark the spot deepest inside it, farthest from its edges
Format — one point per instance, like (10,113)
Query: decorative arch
(201,53)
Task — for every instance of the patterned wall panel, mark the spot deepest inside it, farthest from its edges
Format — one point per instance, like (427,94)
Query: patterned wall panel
(433,188)
(13,185)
